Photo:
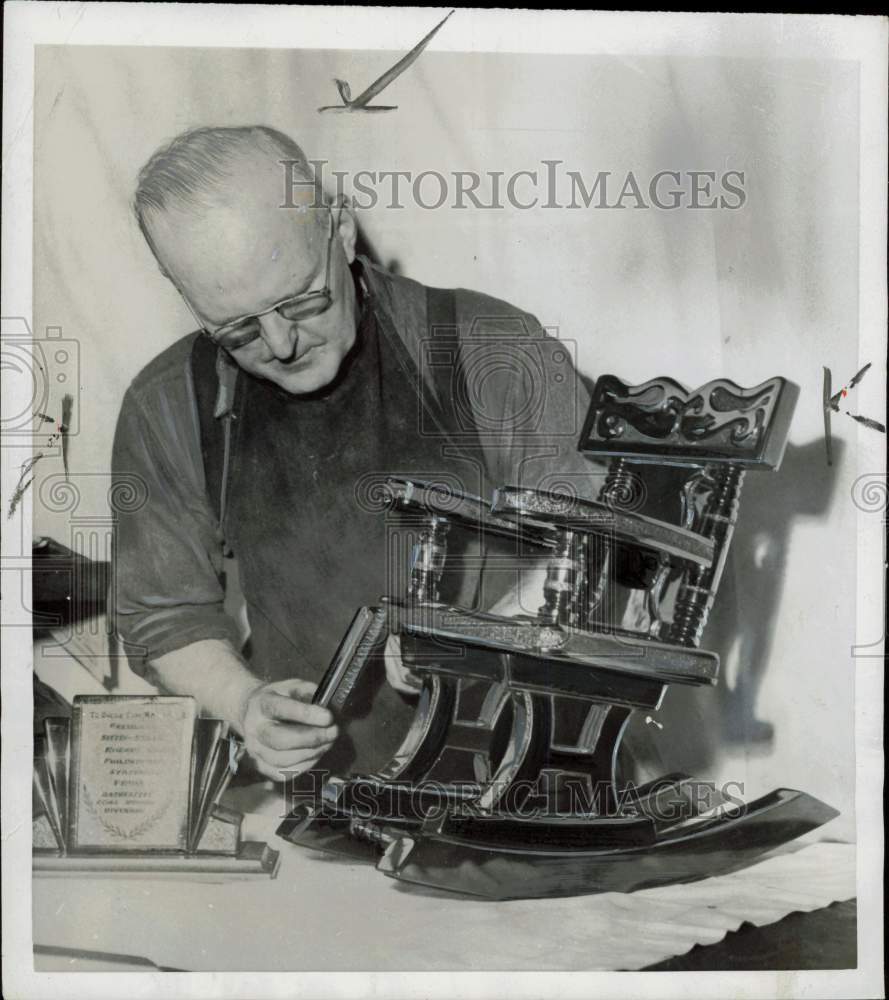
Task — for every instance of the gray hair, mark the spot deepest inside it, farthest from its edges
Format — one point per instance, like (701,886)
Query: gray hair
(187,172)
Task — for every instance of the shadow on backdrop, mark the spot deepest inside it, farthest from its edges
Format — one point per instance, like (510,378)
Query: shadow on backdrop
(366,248)
(699,722)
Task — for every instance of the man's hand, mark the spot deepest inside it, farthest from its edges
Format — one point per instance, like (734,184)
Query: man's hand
(397,674)
(282,730)
(524,597)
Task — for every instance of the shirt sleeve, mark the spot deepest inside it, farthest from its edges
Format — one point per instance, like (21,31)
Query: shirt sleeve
(528,405)
(167,588)
(541,401)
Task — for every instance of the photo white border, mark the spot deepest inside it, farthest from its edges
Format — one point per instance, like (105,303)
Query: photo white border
(863,39)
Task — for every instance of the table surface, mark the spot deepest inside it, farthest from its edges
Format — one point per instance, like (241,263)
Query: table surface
(323,913)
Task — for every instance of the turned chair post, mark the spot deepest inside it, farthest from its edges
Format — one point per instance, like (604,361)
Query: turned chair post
(716,521)
(428,560)
(565,576)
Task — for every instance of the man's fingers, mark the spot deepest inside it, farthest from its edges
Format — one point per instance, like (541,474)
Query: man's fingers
(279,764)
(283,731)
(397,674)
(281,736)
(295,687)
(392,673)
(405,684)
(284,760)
(267,770)
(405,680)
(281,772)
(284,709)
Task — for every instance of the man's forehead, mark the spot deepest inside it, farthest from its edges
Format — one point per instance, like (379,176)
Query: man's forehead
(246,205)
(253,230)
(250,247)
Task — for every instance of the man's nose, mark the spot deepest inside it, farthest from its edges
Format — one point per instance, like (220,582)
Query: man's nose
(280,335)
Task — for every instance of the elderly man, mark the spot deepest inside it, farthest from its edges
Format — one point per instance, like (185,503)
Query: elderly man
(311,377)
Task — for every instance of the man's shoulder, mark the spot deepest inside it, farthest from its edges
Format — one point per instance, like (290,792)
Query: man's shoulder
(167,370)
(477,312)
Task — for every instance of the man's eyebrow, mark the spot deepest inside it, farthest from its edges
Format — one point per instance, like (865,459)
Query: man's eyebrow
(309,284)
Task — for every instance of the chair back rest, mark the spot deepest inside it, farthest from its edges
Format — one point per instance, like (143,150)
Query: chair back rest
(717,433)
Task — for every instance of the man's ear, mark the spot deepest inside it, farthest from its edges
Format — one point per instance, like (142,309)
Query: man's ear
(347,230)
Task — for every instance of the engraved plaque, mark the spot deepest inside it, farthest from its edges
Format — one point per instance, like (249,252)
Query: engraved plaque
(130,770)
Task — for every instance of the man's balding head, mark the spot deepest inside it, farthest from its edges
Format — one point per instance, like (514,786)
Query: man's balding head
(195,170)
(207,183)
(212,207)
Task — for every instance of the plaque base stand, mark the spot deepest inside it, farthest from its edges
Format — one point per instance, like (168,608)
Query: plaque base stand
(145,756)
(220,851)
(252,858)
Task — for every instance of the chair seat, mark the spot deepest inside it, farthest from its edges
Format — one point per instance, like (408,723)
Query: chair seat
(537,509)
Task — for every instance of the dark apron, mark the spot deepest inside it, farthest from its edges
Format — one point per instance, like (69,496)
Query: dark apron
(302,513)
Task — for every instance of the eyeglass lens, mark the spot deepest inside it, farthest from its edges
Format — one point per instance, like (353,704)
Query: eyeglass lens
(249,328)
